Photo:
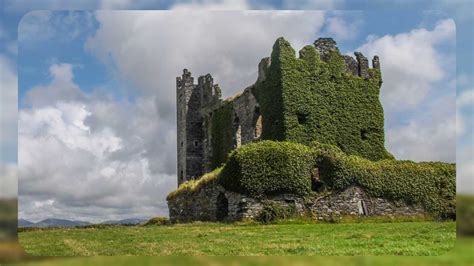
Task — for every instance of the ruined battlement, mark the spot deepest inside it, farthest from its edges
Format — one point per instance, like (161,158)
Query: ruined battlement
(358,66)
(322,95)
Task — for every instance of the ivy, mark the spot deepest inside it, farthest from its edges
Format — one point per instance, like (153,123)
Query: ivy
(269,168)
(221,134)
(306,99)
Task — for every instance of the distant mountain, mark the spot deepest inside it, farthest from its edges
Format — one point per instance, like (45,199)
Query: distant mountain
(67,223)
(133,221)
(51,223)
(24,223)
(60,223)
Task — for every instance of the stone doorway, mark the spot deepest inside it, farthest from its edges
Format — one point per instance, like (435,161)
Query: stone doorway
(222,207)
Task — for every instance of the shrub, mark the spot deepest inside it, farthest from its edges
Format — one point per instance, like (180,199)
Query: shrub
(157,221)
(268,168)
(430,184)
(273,211)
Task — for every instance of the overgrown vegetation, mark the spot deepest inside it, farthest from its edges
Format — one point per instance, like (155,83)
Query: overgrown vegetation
(157,221)
(221,131)
(193,185)
(273,211)
(306,99)
(431,184)
(268,168)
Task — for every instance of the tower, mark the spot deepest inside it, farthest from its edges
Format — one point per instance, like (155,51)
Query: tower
(189,128)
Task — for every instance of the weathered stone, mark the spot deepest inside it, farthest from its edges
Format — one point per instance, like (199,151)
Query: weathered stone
(324,46)
(363,64)
(203,205)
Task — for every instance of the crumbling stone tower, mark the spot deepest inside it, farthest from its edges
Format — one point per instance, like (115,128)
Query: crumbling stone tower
(321,95)
(190,99)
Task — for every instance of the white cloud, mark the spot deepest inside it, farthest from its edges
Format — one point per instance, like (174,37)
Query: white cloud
(227,44)
(8,180)
(61,88)
(341,30)
(418,94)
(76,152)
(212,5)
(411,63)
(428,136)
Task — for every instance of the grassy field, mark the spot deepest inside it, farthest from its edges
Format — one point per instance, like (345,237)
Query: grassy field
(460,255)
(410,238)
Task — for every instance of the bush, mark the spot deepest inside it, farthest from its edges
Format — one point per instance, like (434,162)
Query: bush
(273,211)
(268,168)
(430,184)
(157,221)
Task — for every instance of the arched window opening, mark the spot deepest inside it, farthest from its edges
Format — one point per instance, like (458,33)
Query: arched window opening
(238,131)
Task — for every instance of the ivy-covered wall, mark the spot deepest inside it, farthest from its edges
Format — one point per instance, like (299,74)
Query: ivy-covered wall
(307,99)
(221,134)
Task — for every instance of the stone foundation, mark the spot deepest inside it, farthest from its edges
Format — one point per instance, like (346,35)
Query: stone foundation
(213,203)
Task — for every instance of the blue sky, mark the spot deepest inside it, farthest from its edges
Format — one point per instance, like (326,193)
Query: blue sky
(81,87)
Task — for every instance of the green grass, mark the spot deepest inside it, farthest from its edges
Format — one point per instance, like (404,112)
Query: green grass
(411,238)
(461,254)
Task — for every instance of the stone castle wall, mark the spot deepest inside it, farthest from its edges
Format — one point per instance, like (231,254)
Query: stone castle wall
(213,203)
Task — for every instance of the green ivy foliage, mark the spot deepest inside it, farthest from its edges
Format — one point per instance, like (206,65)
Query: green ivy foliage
(306,99)
(268,168)
(430,184)
(221,132)
(273,211)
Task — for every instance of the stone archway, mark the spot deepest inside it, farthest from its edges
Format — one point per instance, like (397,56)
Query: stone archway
(222,207)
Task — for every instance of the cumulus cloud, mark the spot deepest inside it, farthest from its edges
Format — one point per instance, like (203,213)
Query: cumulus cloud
(61,88)
(77,152)
(428,136)
(227,44)
(418,93)
(342,29)
(411,63)
(8,180)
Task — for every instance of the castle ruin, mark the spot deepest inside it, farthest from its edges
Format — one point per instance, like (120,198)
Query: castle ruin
(209,127)
(318,96)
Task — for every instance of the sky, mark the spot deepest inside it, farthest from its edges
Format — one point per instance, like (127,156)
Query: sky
(93,111)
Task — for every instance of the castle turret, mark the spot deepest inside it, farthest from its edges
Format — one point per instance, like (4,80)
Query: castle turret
(189,126)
